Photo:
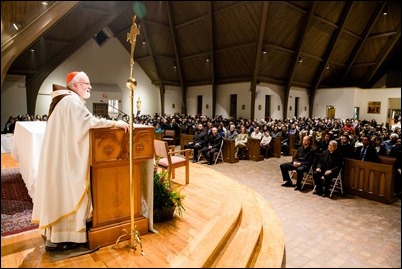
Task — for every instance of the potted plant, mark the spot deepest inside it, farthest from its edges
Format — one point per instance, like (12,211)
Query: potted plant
(167,197)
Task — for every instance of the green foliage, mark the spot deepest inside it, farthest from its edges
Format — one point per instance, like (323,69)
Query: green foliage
(166,194)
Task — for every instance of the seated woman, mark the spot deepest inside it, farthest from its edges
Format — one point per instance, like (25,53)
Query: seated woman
(241,140)
(265,143)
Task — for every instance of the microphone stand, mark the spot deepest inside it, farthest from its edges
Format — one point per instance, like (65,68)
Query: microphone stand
(120,111)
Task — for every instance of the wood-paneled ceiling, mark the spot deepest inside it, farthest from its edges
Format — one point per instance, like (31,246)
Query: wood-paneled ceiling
(309,44)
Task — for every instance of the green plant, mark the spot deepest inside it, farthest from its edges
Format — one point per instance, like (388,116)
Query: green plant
(166,194)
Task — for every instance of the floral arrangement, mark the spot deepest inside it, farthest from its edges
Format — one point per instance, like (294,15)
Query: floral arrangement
(166,194)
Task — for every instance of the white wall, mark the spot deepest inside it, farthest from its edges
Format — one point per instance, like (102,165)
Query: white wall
(105,65)
(173,100)
(345,99)
(13,98)
(191,100)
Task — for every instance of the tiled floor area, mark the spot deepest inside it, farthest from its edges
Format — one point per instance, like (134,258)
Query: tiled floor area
(347,232)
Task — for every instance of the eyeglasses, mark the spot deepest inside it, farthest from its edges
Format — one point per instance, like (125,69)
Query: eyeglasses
(86,83)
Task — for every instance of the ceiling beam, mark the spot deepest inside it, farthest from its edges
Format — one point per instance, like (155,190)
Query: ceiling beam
(295,61)
(258,53)
(13,46)
(382,56)
(362,41)
(177,54)
(327,55)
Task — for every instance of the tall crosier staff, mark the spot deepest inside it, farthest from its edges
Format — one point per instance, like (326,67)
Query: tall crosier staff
(131,83)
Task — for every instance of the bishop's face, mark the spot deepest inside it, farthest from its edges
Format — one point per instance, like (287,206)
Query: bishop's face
(83,88)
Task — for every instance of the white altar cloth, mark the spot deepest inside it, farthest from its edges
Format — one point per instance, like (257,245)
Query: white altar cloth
(27,143)
(6,142)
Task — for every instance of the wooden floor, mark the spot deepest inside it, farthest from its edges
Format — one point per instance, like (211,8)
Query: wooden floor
(225,224)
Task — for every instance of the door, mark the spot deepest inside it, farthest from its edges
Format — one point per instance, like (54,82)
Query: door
(331,112)
(233,106)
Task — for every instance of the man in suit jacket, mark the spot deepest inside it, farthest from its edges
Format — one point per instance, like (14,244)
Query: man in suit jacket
(199,140)
(213,145)
(301,163)
(366,152)
(328,166)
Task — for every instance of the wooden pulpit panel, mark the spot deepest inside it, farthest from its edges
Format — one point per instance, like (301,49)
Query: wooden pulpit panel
(110,182)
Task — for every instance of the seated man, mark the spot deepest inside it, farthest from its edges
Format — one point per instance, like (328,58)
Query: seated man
(328,166)
(213,145)
(366,152)
(199,140)
(302,162)
(232,133)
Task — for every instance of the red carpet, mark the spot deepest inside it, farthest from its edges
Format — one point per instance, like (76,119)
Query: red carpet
(16,204)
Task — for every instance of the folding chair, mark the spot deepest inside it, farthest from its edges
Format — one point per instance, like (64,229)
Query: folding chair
(308,177)
(337,184)
(219,155)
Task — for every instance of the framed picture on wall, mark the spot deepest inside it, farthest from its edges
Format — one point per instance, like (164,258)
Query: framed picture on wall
(374,107)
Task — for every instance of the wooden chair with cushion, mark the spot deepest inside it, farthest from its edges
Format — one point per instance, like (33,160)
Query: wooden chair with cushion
(167,159)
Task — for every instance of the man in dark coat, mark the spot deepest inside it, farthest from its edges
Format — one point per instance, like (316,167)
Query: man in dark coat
(366,152)
(213,145)
(199,140)
(302,162)
(328,166)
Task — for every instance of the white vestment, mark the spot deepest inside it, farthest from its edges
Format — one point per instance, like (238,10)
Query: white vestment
(62,202)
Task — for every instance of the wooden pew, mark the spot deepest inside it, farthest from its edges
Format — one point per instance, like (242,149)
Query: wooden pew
(185,139)
(291,143)
(158,136)
(374,181)
(276,147)
(253,152)
(229,151)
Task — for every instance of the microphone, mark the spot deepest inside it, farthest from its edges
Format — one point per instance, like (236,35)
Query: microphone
(121,112)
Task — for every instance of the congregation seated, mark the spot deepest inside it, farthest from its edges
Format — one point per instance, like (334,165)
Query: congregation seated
(198,143)
(232,133)
(241,141)
(345,148)
(265,143)
(256,134)
(390,143)
(378,146)
(366,152)
(322,145)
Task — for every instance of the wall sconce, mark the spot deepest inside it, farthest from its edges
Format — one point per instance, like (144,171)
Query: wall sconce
(305,108)
(279,107)
(173,105)
(207,106)
(290,108)
(259,107)
(243,107)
